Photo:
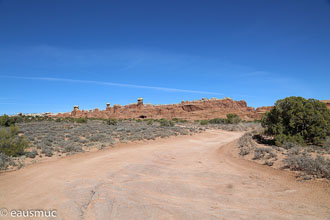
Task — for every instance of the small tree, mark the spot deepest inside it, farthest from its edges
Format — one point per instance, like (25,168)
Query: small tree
(297,120)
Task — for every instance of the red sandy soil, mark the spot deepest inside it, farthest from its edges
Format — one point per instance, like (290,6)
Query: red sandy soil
(185,177)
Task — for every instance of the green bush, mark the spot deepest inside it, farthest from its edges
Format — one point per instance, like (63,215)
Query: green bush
(11,143)
(31,154)
(217,121)
(233,119)
(81,120)
(4,161)
(166,123)
(175,119)
(297,120)
(7,121)
(204,122)
(111,121)
(178,120)
(58,119)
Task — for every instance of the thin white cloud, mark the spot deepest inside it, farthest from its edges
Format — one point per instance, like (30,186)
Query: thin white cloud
(165,89)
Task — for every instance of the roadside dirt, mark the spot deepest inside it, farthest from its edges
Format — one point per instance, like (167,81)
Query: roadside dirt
(185,177)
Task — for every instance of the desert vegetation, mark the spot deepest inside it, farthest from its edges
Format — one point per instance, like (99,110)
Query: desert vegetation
(297,120)
(29,139)
(232,122)
(295,136)
(11,145)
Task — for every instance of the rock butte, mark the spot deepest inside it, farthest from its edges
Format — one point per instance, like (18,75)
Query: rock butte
(190,110)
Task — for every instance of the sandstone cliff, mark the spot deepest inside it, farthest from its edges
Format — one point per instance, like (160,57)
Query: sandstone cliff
(190,110)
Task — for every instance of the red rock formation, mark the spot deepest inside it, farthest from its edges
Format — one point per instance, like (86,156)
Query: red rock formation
(193,110)
(262,110)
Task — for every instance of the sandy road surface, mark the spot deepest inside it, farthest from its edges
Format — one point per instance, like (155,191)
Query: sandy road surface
(186,177)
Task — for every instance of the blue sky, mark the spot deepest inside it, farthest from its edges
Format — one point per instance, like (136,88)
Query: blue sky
(58,53)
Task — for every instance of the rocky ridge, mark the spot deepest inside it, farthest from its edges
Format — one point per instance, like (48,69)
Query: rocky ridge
(190,110)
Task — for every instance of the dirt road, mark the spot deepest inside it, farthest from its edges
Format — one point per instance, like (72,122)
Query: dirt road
(186,177)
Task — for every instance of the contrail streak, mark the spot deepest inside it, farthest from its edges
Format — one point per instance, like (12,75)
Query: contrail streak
(165,89)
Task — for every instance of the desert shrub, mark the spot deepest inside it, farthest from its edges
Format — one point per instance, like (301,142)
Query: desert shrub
(98,138)
(319,166)
(81,120)
(182,132)
(204,122)
(258,155)
(217,121)
(112,121)
(260,152)
(48,151)
(11,143)
(150,122)
(75,139)
(36,118)
(31,138)
(31,154)
(233,119)
(178,120)
(4,161)
(246,141)
(271,155)
(244,151)
(58,120)
(82,141)
(68,135)
(166,123)
(7,121)
(289,145)
(175,119)
(72,148)
(47,142)
(297,120)
(269,163)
